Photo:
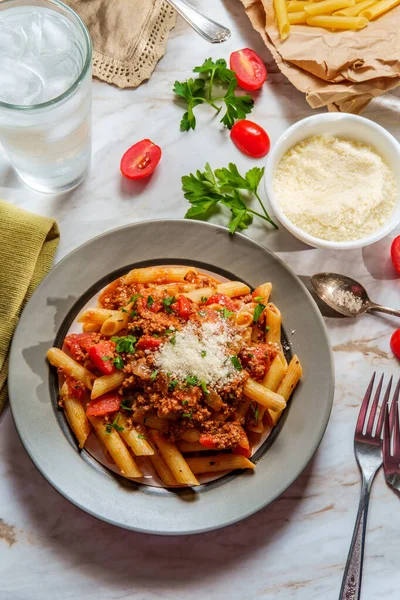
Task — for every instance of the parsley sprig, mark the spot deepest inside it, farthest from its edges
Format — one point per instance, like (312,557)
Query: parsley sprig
(201,91)
(208,189)
(125,343)
(114,425)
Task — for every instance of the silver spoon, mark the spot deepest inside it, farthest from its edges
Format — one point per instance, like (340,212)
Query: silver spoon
(210,30)
(346,296)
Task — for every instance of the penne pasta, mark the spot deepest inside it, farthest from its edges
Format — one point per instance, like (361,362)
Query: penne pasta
(191,435)
(136,441)
(378,9)
(274,322)
(257,392)
(91,327)
(96,315)
(117,449)
(151,421)
(327,6)
(167,274)
(106,383)
(70,367)
(282,18)
(161,467)
(244,317)
(219,462)
(331,22)
(76,416)
(296,18)
(354,11)
(174,460)
(287,385)
(199,296)
(271,381)
(233,289)
(192,447)
(115,323)
(297,5)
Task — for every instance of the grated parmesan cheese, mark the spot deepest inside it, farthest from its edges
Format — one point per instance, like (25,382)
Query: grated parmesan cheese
(335,189)
(347,299)
(200,351)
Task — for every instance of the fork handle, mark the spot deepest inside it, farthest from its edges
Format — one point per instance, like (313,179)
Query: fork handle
(210,30)
(351,584)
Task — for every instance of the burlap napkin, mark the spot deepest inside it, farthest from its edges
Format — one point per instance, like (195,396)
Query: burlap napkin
(343,71)
(27,248)
(129,37)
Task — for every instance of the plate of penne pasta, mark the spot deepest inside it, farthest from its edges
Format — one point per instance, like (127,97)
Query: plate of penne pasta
(176,387)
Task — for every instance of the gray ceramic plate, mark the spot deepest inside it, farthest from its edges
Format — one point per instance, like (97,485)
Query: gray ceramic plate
(91,486)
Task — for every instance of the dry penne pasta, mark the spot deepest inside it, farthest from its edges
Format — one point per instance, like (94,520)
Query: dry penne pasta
(378,9)
(76,415)
(296,5)
(174,459)
(106,383)
(295,18)
(282,18)
(116,447)
(220,462)
(335,22)
(167,274)
(233,289)
(354,11)
(136,441)
(327,7)
(70,367)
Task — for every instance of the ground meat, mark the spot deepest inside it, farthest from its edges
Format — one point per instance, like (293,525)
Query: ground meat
(257,359)
(224,435)
(233,389)
(118,294)
(149,322)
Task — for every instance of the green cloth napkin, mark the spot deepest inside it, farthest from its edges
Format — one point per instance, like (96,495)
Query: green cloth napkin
(27,247)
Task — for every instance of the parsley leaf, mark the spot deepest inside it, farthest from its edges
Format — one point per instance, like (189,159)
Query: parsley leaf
(236,363)
(172,385)
(134,298)
(203,299)
(203,353)
(133,313)
(150,301)
(106,358)
(153,375)
(215,70)
(141,436)
(125,406)
(118,362)
(185,402)
(225,313)
(204,387)
(168,331)
(167,303)
(258,312)
(123,310)
(125,343)
(237,107)
(192,380)
(254,407)
(266,328)
(173,339)
(193,92)
(188,415)
(113,425)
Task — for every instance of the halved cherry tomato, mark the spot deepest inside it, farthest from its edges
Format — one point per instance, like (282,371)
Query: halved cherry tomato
(103,405)
(249,69)
(183,306)
(250,138)
(100,355)
(395,343)
(395,253)
(221,299)
(207,440)
(76,342)
(140,160)
(147,342)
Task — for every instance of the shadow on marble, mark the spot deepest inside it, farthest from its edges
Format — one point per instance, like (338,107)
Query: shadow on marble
(121,558)
(377,261)
(130,189)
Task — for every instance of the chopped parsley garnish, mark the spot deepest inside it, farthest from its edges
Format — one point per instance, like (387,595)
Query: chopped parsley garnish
(150,301)
(188,415)
(203,353)
(204,299)
(225,313)
(113,425)
(258,298)
(204,387)
(125,406)
(192,380)
(134,298)
(266,329)
(249,355)
(236,363)
(172,385)
(258,312)
(106,358)
(168,331)
(133,313)
(118,362)
(124,310)
(167,303)
(125,343)
(201,313)
(141,436)
(154,375)
(255,410)
(185,402)
(173,340)
(155,335)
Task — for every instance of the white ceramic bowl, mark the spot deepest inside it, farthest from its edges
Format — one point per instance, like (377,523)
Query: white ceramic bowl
(344,125)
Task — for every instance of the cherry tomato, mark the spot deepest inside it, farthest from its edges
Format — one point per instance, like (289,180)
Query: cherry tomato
(76,342)
(395,252)
(249,69)
(147,342)
(250,138)
(107,403)
(102,355)
(221,299)
(140,160)
(395,343)
(183,306)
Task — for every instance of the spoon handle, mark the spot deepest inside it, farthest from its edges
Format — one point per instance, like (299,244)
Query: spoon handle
(389,311)
(210,30)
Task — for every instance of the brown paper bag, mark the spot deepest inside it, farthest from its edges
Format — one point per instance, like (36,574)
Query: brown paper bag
(341,70)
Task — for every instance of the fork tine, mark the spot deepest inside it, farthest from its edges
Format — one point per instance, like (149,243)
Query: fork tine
(364,406)
(396,429)
(392,409)
(385,403)
(386,439)
(374,407)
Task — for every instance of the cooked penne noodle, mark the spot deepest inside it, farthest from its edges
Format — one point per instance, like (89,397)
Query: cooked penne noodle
(115,323)
(163,470)
(76,415)
(274,323)
(296,5)
(271,381)
(191,435)
(263,292)
(291,379)
(296,18)
(117,449)
(244,317)
(167,274)
(378,9)
(219,462)
(282,18)
(151,421)
(257,392)
(106,383)
(70,367)
(243,407)
(198,296)
(97,315)
(331,22)
(91,327)
(327,7)
(255,424)
(354,11)
(133,438)
(174,459)
(233,288)
(192,447)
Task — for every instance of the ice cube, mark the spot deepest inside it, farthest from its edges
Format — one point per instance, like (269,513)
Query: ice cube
(18,83)
(57,35)
(12,40)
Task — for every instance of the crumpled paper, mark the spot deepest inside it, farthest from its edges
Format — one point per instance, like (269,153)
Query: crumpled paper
(344,70)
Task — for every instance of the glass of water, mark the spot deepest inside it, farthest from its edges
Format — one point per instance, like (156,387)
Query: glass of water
(45,93)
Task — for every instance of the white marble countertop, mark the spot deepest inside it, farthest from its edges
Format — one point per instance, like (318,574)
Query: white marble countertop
(296,547)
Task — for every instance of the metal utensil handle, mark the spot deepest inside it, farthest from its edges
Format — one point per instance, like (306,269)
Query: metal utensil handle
(378,308)
(210,30)
(351,584)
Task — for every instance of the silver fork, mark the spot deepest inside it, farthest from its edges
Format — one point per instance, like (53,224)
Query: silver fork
(391,459)
(210,30)
(368,452)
